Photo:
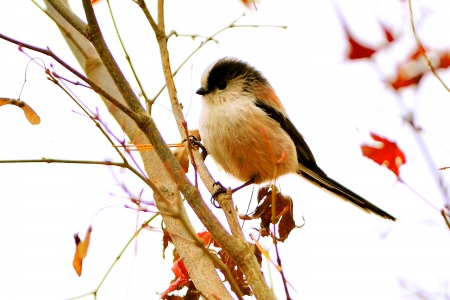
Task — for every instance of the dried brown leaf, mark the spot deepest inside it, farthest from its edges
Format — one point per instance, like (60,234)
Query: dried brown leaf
(30,114)
(283,215)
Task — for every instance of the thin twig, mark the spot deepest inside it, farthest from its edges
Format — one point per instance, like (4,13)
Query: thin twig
(97,121)
(64,161)
(161,23)
(207,39)
(286,290)
(86,162)
(422,49)
(417,194)
(70,81)
(127,56)
(147,14)
(94,86)
(118,258)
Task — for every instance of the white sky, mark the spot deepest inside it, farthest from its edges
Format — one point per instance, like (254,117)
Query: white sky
(341,253)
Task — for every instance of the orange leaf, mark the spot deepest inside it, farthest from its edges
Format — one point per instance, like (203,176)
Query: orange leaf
(31,115)
(249,3)
(388,154)
(182,155)
(81,250)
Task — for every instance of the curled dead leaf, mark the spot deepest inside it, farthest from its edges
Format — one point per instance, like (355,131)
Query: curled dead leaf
(236,272)
(273,207)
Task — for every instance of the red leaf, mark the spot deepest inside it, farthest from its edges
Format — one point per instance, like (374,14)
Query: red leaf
(249,3)
(356,50)
(444,60)
(205,236)
(418,53)
(409,72)
(387,33)
(403,80)
(166,239)
(181,278)
(179,269)
(388,154)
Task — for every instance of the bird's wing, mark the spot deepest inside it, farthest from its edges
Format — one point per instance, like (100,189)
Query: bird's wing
(304,154)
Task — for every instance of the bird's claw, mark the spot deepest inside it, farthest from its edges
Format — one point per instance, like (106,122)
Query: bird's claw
(220,190)
(196,143)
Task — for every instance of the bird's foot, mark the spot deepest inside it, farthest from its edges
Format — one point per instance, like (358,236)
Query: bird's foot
(220,190)
(193,140)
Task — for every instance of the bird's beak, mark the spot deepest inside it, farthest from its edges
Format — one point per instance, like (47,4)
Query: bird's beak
(202,91)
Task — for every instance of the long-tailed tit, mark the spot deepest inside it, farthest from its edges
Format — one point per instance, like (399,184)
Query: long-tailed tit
(246,130)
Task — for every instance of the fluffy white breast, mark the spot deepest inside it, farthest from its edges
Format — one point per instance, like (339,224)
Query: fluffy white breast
(243,140)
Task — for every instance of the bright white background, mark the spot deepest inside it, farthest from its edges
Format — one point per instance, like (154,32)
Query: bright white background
(341,253)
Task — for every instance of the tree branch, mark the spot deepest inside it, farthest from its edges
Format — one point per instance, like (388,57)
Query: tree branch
(235,246)
(69,16)
(93,85)
(96,38)
(163,172)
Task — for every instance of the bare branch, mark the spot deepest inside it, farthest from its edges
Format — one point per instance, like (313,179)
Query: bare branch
(94,86)
(96,38)
(69,16)
(161,23)
(147,14)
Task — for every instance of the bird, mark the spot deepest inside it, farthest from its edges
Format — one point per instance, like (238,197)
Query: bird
(247,131)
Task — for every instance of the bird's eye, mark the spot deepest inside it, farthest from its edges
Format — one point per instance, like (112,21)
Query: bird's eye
(222,85)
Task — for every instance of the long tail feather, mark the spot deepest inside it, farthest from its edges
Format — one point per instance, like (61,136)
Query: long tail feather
(322,180)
